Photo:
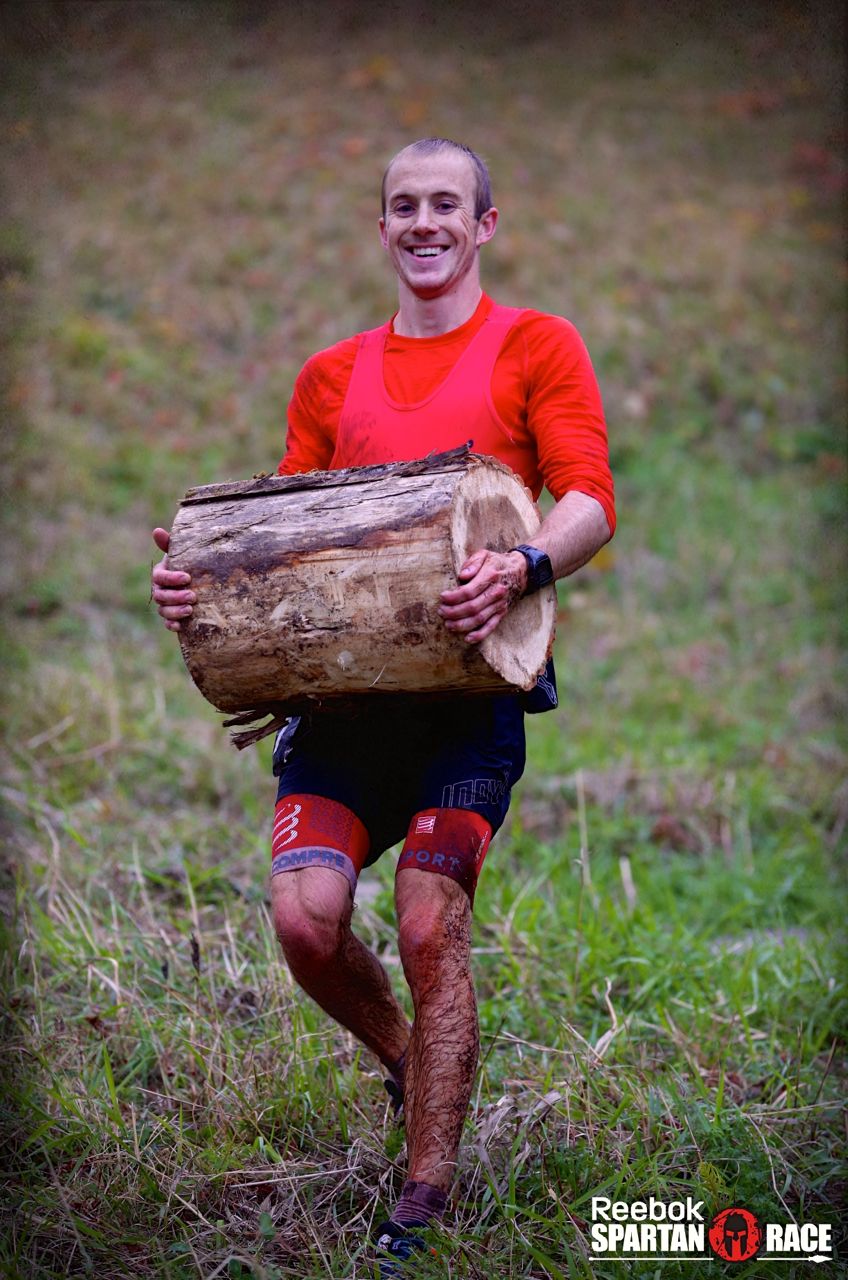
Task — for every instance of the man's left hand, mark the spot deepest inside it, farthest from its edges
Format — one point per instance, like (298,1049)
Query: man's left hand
(491,583)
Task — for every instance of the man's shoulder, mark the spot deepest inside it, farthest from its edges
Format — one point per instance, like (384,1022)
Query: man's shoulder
(542,334)
(328,369)
(339,353)
(532,321)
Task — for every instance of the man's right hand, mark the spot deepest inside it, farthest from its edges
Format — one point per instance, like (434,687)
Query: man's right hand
(171,589)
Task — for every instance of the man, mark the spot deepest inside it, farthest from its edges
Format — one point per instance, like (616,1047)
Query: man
(449,366)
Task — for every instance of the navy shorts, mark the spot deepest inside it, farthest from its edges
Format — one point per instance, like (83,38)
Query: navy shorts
(387,762)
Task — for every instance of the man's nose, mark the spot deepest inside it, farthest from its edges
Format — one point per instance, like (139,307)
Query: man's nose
(424,220)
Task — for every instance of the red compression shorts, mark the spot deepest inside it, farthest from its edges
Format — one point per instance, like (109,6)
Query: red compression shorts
(310,831)
(449,842)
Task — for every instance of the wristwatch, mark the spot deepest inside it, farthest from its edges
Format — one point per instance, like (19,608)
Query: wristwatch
(539,569)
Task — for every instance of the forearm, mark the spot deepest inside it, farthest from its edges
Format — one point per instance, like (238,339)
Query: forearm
(572,532)
(492,581)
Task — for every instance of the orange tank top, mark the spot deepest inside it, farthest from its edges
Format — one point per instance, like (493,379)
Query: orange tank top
(374,428)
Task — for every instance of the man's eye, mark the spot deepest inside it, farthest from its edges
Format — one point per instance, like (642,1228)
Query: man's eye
(445,206)
(404,208)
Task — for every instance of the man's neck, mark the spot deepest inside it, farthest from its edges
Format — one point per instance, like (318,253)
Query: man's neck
(431,317)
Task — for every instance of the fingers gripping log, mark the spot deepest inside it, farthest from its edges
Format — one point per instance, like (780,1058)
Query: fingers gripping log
(326,585)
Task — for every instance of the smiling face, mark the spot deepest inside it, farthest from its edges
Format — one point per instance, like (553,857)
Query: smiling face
(429,230)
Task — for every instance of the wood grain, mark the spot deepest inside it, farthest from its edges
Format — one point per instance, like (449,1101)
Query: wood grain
(326,586)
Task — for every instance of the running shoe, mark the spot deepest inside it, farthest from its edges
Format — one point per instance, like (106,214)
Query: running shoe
(395,1092)
(395,1248)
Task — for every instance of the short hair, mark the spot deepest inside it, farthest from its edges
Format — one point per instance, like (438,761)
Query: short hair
(428,146)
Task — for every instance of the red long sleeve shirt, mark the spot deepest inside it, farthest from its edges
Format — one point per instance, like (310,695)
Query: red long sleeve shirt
(543,386)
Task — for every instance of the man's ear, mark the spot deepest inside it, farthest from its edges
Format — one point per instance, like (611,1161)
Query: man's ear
(383,241)
(486,226)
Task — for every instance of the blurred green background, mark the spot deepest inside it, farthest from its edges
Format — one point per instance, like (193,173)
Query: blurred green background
(190,195)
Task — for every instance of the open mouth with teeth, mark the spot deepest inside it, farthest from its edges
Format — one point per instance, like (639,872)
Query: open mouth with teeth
(427,250)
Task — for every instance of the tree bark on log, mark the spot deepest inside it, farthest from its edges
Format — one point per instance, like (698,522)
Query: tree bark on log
(326,586)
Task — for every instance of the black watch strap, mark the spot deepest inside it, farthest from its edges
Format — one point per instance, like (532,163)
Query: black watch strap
(539,568)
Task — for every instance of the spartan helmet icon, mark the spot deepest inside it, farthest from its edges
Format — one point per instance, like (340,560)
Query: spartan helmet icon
(736,1236)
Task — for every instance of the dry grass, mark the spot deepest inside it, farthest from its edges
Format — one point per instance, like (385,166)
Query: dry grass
(188,214)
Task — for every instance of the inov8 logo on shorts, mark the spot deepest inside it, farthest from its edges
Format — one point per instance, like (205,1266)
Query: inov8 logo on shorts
(657,1230)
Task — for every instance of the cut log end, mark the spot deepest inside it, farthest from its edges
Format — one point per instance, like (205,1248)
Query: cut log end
(487,512)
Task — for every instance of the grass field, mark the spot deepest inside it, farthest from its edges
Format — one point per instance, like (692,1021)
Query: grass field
(189,205)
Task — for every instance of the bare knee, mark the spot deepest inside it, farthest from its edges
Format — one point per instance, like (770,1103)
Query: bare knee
(310,918)
(434,927)
(308,943)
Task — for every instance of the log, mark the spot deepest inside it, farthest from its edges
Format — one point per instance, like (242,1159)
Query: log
(324,586)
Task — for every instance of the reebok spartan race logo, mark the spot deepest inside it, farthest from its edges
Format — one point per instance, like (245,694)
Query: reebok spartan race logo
(657,1230)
